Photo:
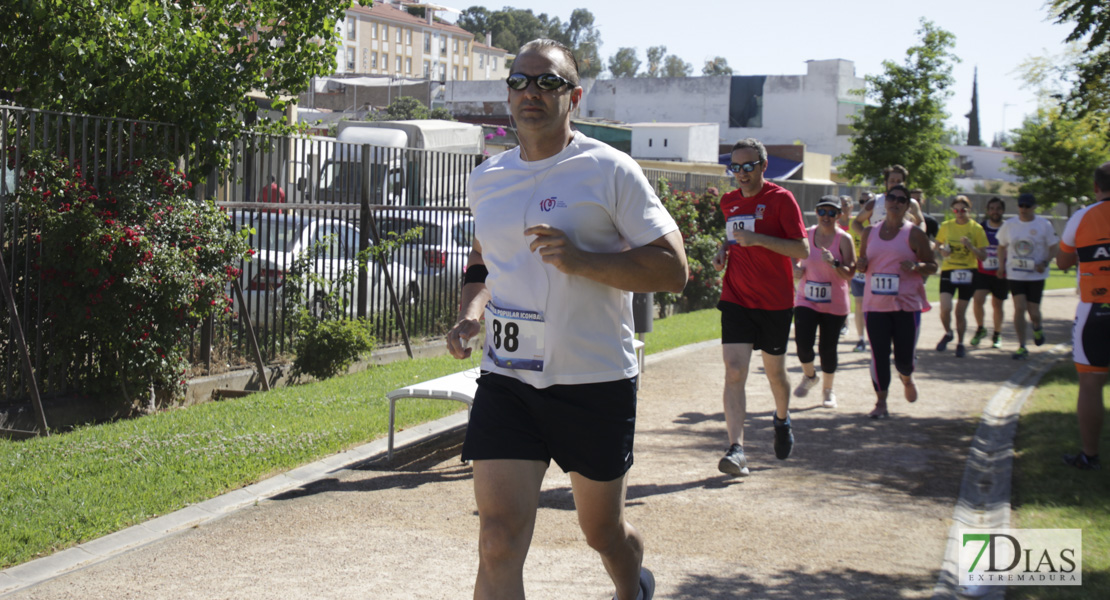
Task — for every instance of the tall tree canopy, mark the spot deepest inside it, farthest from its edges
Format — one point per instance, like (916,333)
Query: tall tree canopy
(510,28)
(188,62)
(1059,148)
(655,55)
(905,122)
(624,63)
(1091,91)
(676,67)
(717,65)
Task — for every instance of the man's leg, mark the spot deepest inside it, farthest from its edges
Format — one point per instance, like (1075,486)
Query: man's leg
(600,506)
(737,359)
(978,304)
(775,366)
(1090,410)
(999,306)
(945,320)
(1035,318)
(507,493)
(1020,308)
(961,320)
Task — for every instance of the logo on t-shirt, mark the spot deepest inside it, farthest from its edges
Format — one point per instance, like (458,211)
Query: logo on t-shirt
(550,204)
(759,208)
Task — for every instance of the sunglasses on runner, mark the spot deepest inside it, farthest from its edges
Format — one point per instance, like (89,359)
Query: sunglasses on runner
(548,82)
(827,212)
(747,167)
(898,198)
(959,210)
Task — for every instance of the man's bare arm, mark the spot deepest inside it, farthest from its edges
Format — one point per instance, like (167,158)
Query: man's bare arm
(659,266)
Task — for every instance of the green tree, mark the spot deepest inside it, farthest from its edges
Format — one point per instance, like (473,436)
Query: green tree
(510,28)
(624,63)
(655,55)
(718,65)
(1059,153)
(676,67)
(1090,94)
(905,122)
(1059,148)
(584,38)
(187,62)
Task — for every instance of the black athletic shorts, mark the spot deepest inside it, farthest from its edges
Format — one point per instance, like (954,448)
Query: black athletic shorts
(996,286)
(1032,290)
(766,330)
(964,291)
(586,429)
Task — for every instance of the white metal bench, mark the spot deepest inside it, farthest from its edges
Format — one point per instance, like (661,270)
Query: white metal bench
(459,387)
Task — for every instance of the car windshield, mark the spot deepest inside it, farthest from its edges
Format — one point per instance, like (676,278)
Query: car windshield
(277,235)
(463,233)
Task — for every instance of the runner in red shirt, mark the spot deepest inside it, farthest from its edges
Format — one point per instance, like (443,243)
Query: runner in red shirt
(765,231)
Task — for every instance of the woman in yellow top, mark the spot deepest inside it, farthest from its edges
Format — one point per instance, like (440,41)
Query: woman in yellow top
(962,243)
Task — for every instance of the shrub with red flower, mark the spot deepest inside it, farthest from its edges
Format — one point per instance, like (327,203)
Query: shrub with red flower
(123,273)
(702,226)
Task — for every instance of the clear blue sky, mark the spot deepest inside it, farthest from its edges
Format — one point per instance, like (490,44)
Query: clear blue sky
(776,37)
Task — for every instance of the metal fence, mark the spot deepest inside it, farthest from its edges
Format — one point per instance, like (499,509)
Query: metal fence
(294,192)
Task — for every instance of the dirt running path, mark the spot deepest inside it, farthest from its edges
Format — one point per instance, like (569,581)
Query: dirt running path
(861,510)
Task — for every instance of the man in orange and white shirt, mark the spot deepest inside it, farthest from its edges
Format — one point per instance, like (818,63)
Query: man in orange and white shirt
(1086,242)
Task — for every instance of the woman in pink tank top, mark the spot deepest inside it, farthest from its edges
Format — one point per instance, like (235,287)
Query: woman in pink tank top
(894,256)
(821,301)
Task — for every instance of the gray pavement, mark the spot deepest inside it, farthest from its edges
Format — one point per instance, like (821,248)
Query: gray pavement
(863,509)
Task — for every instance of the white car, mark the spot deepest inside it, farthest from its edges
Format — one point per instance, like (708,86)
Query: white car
(439,254)
(279,239)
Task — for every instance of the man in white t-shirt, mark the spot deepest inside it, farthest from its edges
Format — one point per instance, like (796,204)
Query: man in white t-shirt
(1027,244)
(565,228)
(875,210)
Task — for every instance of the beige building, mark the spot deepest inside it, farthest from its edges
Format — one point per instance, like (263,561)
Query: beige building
(385,40)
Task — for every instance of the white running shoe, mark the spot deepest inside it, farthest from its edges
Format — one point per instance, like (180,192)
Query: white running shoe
(830,399)
(806,385)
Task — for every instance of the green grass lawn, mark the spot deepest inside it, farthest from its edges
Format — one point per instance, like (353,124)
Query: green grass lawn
(69,488)
(1049,495)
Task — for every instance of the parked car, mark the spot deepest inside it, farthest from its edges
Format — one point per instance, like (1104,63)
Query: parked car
(439,255)
(280,238)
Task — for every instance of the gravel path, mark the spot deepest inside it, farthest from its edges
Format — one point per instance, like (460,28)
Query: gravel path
(861,510)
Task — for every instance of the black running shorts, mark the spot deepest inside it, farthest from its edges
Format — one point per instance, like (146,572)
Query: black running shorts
(1032,290)
(766,330)
(586,429)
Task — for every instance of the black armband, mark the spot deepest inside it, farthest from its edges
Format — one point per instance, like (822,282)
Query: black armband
(475,274)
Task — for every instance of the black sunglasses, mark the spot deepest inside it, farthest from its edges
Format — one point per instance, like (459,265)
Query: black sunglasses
(827,212)
(899,198)
(747,167)
(547,82)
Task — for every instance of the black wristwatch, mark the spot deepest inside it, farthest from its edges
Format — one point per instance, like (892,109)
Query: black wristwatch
(836,263)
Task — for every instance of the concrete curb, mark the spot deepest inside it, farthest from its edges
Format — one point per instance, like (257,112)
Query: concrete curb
(984,500)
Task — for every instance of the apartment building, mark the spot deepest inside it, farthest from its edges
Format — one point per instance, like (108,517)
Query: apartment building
(386,40)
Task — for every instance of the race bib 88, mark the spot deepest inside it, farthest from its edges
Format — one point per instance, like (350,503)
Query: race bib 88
(514,338)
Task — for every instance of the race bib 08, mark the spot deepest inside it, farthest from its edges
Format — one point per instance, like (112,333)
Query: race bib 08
(884,284)
(960,277)
(514,338)
(817,291)
(739,223)
(859,277)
